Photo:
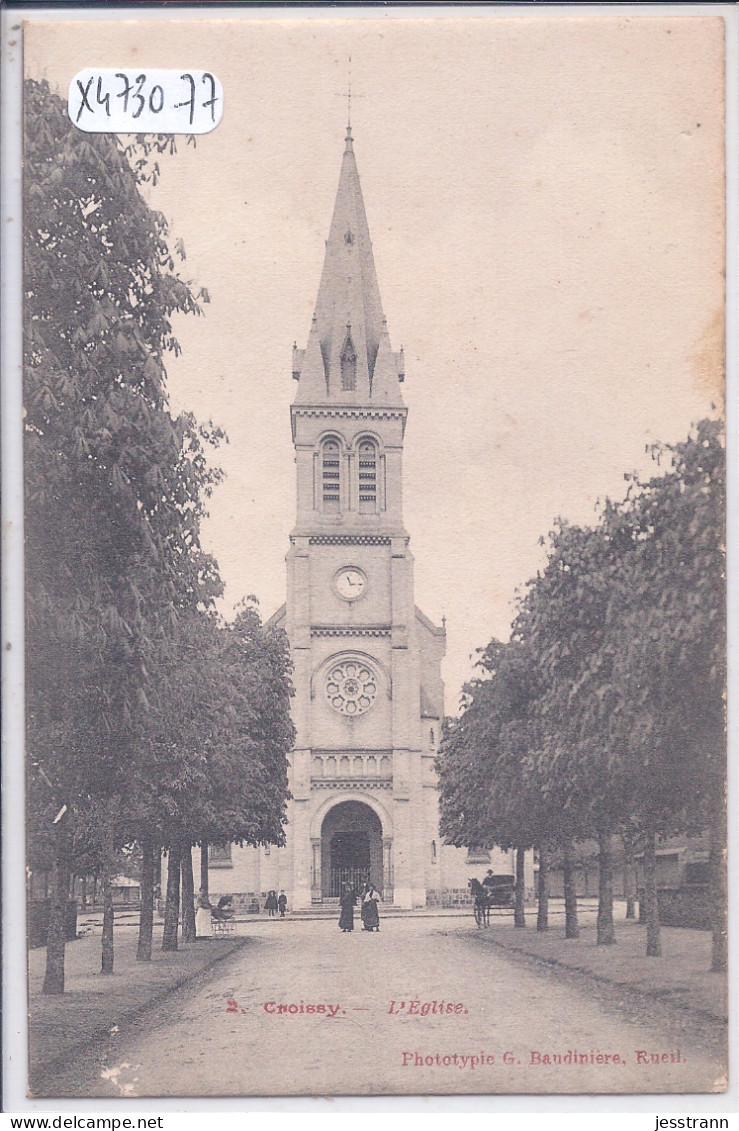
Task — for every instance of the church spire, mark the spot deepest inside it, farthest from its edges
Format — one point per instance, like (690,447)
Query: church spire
(340,364)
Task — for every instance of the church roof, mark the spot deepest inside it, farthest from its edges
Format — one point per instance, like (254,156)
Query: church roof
(277,620)
(348,359)
(429,624)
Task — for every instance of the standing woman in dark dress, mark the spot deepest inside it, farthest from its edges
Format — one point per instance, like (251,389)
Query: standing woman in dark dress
(370,914)
(347,901)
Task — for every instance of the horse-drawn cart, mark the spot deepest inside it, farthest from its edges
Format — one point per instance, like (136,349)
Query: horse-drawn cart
(495,891)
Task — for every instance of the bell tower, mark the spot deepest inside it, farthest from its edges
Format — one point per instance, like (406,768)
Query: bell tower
(349,379)
(368,693)
(369,699)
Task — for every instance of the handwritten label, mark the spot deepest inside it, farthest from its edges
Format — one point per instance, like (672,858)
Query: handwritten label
(145,102)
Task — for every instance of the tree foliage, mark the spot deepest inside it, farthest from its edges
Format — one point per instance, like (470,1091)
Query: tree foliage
(214,766)
(671,662)
(115,485)
(485,769)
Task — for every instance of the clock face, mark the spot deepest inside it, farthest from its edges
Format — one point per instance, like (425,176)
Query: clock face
(350,583)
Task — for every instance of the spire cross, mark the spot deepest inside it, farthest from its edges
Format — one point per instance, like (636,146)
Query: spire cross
(349,95)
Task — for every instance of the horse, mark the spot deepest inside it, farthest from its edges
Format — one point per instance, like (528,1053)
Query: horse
(482,900)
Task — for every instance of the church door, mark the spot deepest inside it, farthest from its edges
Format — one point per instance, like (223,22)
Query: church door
(350,861)
(351,849)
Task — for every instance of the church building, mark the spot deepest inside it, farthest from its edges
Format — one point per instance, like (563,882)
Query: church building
(369,697)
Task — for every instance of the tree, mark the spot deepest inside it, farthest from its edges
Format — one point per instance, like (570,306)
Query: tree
(564,617)
(670,662)
(605,712)
(484,762)
(628,623)
(115,486)
(215,761)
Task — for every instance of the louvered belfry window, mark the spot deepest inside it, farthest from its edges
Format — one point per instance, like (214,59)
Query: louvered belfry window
(367,477)
(331,473)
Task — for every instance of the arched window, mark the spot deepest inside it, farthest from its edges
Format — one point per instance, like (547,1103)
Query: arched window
(348,363)
(367,477)
(331,476)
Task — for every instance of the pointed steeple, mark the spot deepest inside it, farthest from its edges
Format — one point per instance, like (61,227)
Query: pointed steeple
(348,337)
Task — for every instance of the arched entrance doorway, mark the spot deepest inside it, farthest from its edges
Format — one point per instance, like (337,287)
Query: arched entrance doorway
(351,848)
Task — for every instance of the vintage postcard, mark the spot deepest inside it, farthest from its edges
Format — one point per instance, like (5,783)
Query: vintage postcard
(375,506)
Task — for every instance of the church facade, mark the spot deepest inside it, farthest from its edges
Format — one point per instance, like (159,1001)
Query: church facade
(369,696)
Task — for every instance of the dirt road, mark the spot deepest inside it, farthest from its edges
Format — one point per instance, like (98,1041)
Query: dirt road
(422,1007)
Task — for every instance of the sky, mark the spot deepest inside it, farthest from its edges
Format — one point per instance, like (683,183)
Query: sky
(545,199)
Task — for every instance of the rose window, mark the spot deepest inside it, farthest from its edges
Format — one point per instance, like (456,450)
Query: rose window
(351,687)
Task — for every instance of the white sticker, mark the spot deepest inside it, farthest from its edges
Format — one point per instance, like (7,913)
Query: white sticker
(145,102)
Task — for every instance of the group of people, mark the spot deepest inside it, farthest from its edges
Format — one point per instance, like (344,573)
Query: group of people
(206,913)
(368,900)
(368,910)
(275,903)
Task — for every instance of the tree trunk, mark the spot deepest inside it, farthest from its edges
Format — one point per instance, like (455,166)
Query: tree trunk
(572,930)
(107,960)
(146,915)
(83,892)
(204,869)
(651,907)
(188,897)
(172,905)
(629,877)
(606,933)
(519,913)
(55,936)
(719,895)
(542,914)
